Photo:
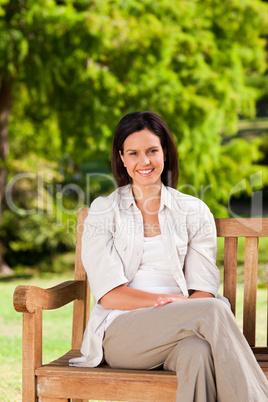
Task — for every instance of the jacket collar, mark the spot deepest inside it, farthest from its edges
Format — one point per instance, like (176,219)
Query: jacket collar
(127,198)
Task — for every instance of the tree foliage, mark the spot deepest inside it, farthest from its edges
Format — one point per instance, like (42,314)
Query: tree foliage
(77,66)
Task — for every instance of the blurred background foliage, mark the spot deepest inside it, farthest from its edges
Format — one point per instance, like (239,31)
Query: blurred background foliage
(72,68)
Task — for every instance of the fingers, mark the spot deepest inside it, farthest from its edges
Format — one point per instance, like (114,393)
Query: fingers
(161,301)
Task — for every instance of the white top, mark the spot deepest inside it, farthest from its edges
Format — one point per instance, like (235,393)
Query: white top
(154,274)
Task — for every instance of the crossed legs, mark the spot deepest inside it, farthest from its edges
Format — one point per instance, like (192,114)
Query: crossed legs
(200,340)
(197,378)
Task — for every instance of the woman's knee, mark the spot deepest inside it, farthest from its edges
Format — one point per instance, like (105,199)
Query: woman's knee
(197,347)
(217,307)
(192,349)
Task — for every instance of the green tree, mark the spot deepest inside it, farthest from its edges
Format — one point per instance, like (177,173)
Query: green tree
(76,66)
(38,42)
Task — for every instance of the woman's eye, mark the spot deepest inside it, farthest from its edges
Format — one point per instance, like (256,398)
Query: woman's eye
(153,151)
(133,153)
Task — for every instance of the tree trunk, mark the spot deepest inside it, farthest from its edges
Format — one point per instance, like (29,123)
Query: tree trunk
(5,107)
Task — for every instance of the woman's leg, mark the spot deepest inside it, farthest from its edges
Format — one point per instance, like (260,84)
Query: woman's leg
(144,338)
(196,376)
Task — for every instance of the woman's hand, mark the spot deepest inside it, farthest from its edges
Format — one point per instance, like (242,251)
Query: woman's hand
(162,300)
(126,298)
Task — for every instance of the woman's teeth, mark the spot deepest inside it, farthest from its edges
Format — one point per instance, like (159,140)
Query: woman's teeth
(145,171)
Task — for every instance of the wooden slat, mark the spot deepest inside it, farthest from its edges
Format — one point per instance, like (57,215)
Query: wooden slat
(53,400)
(242,227)
(81,309)
(261,351)
(250,289)
(81,216)
(111,389)
(105,372)
(31,353)
(230,270)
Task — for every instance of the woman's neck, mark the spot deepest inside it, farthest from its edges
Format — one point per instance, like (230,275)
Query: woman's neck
(148,196)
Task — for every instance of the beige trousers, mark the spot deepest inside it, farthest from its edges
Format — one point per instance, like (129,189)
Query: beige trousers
(200,340)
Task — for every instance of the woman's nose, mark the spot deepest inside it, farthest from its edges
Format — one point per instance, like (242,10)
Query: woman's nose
(145,160)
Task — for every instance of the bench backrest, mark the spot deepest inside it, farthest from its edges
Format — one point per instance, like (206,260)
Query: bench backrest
(251,229)
(229,228)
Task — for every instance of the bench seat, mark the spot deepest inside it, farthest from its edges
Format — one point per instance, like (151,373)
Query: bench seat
(56,378)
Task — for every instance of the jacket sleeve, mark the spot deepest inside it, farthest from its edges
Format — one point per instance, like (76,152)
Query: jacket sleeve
(201,272)
(102,263)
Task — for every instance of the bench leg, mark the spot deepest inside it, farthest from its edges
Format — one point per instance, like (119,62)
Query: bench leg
(31,353)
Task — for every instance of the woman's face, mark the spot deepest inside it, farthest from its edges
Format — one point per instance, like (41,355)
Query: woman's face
(143,158)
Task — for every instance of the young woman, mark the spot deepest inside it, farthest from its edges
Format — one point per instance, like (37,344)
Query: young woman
(149,252)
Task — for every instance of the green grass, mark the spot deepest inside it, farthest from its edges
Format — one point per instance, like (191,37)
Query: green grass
(56,333)
(57,330)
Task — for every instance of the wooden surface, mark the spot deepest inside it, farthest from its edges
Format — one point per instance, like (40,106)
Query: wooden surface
(32,298)
(104,383)
(250,289)
(31,353)
(112,384)
(230,271)
(53,400)
(81,307)
(242,227)
(58,381)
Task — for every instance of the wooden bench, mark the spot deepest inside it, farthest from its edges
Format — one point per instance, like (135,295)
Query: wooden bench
(57,381)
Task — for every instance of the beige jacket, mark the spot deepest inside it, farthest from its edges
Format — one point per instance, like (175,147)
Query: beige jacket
(112,247)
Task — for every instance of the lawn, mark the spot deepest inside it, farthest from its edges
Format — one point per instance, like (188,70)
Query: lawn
(57,325)
(56,332)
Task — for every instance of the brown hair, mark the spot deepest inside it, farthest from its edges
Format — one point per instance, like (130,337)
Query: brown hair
(138,121)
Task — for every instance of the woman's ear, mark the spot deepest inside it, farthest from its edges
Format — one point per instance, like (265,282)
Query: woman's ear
(165,154)
(122,158)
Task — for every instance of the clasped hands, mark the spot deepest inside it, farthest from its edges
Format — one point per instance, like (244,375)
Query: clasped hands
(162,300)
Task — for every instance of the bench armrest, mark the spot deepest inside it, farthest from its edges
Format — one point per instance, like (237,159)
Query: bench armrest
(28,299)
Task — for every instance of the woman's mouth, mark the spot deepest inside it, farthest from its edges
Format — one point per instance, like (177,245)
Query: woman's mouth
(146,172)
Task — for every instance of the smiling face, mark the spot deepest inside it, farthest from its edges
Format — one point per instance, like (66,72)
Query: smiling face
(143,157)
